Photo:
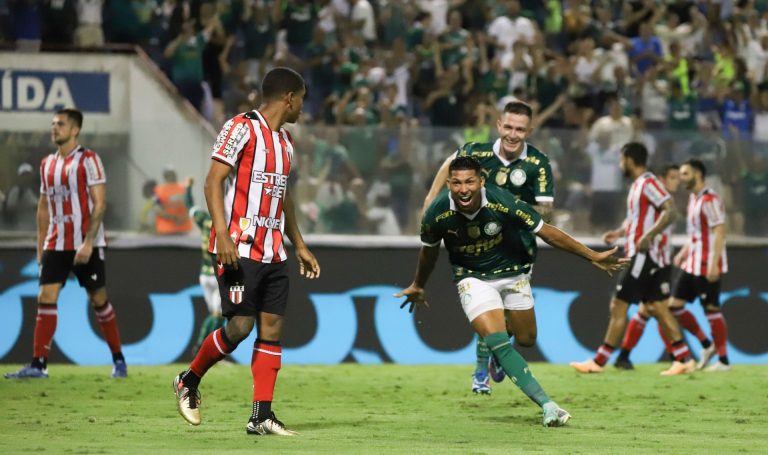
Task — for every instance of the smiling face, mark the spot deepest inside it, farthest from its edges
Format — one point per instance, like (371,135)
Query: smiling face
(465,186)
(513,129)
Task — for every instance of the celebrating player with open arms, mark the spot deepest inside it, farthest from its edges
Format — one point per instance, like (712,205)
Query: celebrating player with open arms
(246,190)
(491,243)
(518,167)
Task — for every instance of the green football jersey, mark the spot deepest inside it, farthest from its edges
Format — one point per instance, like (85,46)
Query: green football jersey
(204,222)
(529,177)
(497,242)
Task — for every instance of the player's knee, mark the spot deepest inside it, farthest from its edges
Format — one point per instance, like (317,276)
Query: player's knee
(527,340)
(238,328)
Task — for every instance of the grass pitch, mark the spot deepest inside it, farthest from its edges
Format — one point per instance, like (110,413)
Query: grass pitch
(388,409)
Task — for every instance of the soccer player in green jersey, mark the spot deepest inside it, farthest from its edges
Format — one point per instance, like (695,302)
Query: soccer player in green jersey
(521,169)
(208,283)
(490,238)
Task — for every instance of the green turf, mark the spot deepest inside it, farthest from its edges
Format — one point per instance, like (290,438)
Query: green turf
(388,409)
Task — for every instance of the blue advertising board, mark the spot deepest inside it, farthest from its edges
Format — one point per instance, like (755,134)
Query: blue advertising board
(48,91)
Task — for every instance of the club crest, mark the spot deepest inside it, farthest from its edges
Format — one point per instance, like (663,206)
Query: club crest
(492,228)
(236,294)
(517,177)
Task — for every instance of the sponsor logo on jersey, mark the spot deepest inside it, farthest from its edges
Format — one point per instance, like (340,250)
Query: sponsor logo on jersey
(274,184)
(267,222)
(518,177)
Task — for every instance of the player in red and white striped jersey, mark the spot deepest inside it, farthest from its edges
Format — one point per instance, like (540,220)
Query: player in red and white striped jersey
(650,210)
(247,194)
(703,260)
(70,238)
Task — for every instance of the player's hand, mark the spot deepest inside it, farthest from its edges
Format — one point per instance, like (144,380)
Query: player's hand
(226,251)
(308,266)
(607,262)
(414,296)
(83,254)
(610,237)
(713,274)
(644,243)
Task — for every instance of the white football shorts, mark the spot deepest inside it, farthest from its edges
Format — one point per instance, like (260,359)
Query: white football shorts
(478,296)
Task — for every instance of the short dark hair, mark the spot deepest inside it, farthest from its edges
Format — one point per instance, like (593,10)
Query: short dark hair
(279,81)
(667,168)
(519,108)
(698,165)
(73,114)
(636,151)
(461,163)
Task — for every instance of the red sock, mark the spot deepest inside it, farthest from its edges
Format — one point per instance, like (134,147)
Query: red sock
(265,364)
(634,331)
(688,321)
(680,351)
(214,348)
(603,354)
(719,332)
(45,327)
(105,314)
(667,343)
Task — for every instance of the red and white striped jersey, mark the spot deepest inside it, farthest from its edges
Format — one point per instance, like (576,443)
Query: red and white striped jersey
(66,182)
(646,196)
(705,211)
(254,191)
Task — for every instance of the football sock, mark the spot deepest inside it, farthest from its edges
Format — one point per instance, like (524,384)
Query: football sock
(215,347)
(680,351)
(603,354)
(515,366)
(667,343)
(265,363)
(483,354)
(45,327)
(634,332)
(719,334)
(107,319)
(688,321)
(208,326)
(261,410)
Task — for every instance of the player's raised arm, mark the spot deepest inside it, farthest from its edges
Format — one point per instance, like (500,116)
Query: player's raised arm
(605,260)
(438,183)
(226,250)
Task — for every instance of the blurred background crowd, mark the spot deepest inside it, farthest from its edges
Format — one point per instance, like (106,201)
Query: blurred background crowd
(396,85)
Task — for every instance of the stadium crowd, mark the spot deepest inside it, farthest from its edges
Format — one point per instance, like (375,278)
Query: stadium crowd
(686,78)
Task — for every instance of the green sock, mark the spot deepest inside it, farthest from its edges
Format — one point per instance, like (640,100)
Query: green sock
(206,328)
(483,353)
(516,367)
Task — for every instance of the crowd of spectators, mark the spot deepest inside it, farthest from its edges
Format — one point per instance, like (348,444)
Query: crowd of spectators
(685,77)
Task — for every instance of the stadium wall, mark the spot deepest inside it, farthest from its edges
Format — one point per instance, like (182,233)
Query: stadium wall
(122,96)
(349,314)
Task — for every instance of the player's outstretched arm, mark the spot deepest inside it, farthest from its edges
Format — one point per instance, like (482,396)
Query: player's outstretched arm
(226,250)
(438,183)
(605,260)
(414,294)
(308,265)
